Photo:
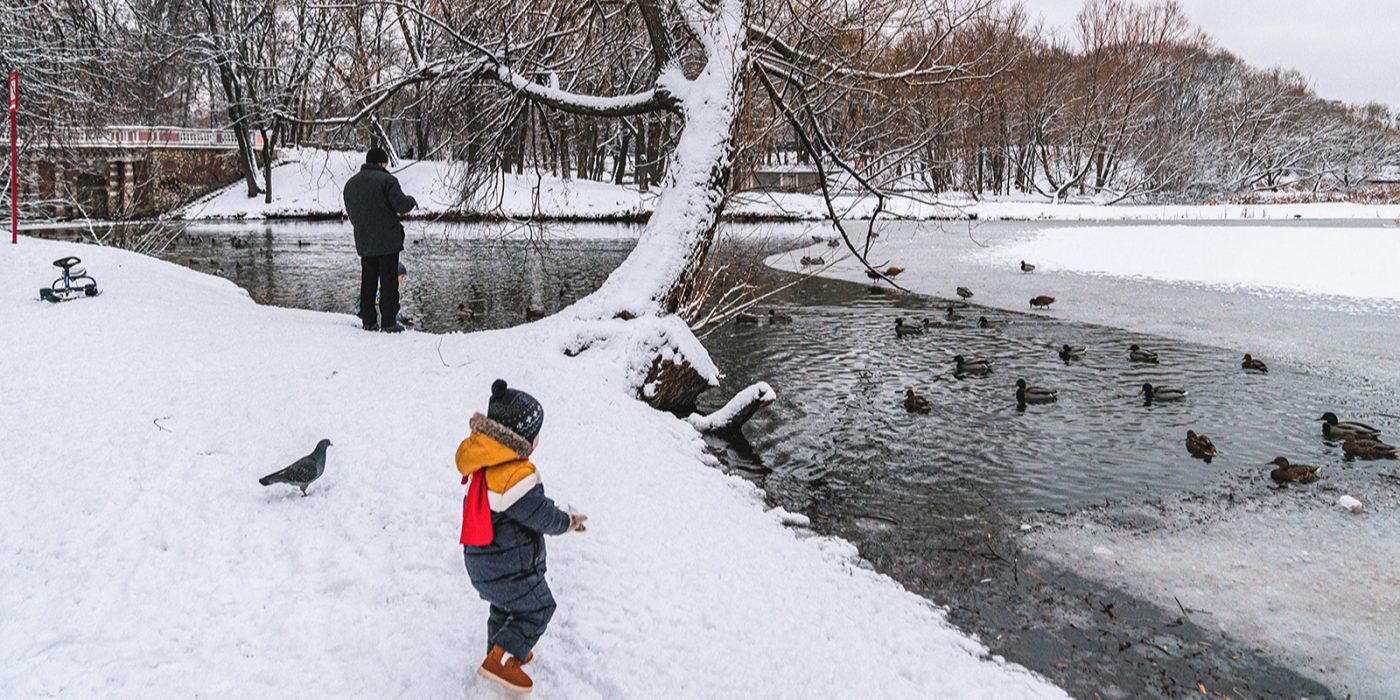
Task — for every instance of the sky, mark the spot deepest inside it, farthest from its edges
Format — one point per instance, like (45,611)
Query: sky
(1348,48)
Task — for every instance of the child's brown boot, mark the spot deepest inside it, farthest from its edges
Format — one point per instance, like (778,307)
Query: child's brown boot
(508,673)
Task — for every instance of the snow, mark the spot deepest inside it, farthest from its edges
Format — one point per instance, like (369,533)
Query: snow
(1351,504)
(1304,580)
(725,415)
(143,559)
(306,183)
(1351,262)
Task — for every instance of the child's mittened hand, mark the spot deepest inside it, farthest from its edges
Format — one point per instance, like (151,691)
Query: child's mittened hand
(576,521)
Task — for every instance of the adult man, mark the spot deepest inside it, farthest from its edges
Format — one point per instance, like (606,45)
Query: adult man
(373,201)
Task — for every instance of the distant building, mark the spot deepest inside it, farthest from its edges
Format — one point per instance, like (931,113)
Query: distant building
(796,177)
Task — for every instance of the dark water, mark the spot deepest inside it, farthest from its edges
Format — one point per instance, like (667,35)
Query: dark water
(933,500)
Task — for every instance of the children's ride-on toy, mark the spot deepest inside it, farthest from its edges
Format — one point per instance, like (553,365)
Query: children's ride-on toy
(74,283)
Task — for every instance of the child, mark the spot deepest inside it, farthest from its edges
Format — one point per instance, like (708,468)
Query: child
(399,317)
(505,517)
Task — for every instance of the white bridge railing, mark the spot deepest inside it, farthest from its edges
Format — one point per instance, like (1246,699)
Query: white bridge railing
(151,137)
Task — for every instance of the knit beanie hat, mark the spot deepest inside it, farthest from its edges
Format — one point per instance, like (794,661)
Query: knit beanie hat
(376,155)
(402,270)
(515,409)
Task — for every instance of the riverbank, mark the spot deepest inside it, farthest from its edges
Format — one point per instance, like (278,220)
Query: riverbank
(307,185)
(151,562)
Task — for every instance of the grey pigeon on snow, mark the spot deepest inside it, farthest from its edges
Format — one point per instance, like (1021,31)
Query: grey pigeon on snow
(301,472)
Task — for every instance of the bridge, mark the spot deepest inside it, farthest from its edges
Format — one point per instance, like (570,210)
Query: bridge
(126,171)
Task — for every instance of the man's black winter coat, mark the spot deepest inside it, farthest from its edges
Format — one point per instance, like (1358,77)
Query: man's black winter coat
(374,200)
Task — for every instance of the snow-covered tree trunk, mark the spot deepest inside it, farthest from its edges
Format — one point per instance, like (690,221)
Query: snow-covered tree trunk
(659,275)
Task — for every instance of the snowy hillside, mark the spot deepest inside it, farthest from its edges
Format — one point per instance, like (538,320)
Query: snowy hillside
(144,560)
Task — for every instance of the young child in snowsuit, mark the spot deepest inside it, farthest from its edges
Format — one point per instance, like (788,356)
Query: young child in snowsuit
(505,517)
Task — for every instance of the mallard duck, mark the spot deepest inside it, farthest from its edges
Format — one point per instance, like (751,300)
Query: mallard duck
(745,318)
(1342,430)
(930,323)
(834,243)
(1027,267)
(964,292)
(1367,448)
(806,260)
(953,314)
(914,403)
(901,329)
(1033,394)
(1256,365)
(775,316)
(1161,393)
(1137,354)
(1042,302)
(1200,446)
(1068,353)
(1284,472)
(971,365)
(982,322)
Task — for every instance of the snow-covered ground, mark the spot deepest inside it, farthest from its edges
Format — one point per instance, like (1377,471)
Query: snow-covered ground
(308,183)
(144,560)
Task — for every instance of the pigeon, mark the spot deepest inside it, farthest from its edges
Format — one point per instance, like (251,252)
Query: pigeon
(301,472)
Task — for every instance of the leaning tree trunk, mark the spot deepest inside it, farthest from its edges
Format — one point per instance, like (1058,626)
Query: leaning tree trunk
(663,273)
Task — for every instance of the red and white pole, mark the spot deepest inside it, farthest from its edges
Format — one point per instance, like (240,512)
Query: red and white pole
(14,157)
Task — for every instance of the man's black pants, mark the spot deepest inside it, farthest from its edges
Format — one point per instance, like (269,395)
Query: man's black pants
(379,272)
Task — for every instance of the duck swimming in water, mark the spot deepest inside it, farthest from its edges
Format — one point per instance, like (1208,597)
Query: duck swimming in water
(953,314)
(1253,364)
(971,365)
(1285,473)
(1068,353)
(1034,394)
(982,322)
(1137,354)
(914,403)
(1367,448)
(902,329)
(1161,393)
(1200,446)
(1341,430)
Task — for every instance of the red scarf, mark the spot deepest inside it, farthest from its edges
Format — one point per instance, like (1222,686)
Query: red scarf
(476,513)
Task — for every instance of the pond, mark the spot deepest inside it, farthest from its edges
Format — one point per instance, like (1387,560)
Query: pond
(935,500)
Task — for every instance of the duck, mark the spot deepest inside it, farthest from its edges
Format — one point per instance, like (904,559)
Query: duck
(930,323)
(812,261)
(1161,393)
(1253,364)
(914,403)
(953,314)
(971,365)
(1137,354)
(1027,267)
(834,243)
(1367,448)
(1200,446)
(1034,394)
(1068,353)
(1342,430)
(964,292)
(873,274)
(742,317)
(1284,472)
(775,316)
(982,322)
(901,329)
(1042,302)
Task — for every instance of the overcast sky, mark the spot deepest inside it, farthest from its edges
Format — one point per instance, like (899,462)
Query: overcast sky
(1349,49)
